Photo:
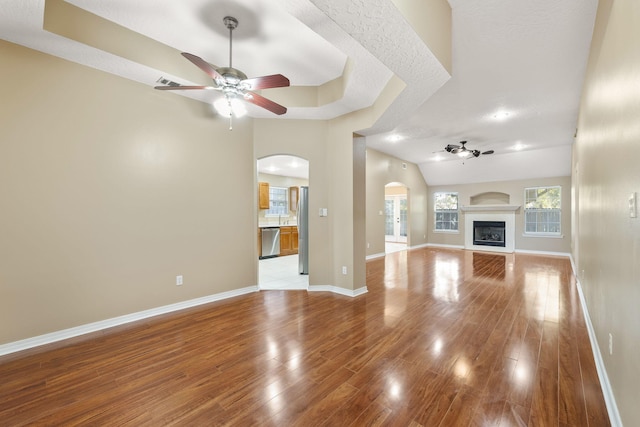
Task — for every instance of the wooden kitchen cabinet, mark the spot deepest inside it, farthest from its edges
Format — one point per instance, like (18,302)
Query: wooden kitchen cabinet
(288,240)
(263,195)
(294,240)
(293,198)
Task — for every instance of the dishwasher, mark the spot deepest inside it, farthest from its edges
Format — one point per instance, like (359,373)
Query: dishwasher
(270,242)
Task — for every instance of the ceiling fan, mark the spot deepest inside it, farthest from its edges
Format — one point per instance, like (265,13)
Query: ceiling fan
(232,82)
(462,151)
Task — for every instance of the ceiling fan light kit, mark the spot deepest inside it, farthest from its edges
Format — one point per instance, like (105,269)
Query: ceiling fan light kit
(233,83)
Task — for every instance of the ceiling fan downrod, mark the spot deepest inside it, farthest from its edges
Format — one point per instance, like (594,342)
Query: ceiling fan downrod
(231,23)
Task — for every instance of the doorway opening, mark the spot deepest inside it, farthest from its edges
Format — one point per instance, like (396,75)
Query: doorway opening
(396,220)
(281,180)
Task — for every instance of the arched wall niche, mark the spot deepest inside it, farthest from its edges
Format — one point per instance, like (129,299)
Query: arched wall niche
(490,198)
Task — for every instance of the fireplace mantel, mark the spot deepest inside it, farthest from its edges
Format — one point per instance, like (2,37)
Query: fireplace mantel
(490,208)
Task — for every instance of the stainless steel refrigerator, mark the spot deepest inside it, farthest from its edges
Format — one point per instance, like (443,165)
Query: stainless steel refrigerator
(303,231)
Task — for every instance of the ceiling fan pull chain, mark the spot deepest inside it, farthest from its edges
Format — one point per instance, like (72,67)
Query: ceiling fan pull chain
(230,113)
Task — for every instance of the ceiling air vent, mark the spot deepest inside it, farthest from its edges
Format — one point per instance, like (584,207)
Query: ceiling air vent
(166,82)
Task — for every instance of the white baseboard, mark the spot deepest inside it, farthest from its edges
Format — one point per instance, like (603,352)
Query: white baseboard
(338,290)
(374,256)
(549,253)
(607,391)
(64,334)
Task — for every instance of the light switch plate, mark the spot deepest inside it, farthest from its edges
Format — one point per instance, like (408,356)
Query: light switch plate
(633,206)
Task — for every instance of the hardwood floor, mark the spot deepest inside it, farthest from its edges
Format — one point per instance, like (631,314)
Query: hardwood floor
(442,338)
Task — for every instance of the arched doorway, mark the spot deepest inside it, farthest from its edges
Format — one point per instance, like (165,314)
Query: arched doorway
(396,221)
(281,178)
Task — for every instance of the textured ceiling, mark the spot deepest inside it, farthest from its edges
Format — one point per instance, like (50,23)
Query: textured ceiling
(526,58)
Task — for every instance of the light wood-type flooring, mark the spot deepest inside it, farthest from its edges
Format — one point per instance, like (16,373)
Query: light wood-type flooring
(442,338)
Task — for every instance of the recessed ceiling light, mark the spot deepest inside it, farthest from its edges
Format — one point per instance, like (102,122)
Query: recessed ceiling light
(272,168)
(394,138)
(501,115)
(519,146)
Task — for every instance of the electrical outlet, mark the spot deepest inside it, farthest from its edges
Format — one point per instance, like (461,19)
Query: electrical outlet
(633,206)
(610,343)
(368,245)
(344,270)
(179,280)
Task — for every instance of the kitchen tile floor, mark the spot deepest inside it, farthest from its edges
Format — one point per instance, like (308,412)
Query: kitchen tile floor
(281,273)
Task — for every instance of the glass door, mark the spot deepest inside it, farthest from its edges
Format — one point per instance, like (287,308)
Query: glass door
(395,223)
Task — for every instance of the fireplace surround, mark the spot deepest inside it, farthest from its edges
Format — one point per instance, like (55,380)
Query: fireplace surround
(504,214)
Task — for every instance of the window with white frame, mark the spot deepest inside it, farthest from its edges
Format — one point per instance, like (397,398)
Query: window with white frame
(542,210)
(446,211)
(278,201)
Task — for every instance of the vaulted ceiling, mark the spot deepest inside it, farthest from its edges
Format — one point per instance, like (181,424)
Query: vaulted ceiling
(512,85)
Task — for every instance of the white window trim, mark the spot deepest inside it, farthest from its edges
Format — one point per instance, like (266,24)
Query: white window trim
(547,235)
(544,235)
(271,215)
(435,211)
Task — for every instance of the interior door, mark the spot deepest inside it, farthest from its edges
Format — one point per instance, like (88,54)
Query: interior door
(395,224)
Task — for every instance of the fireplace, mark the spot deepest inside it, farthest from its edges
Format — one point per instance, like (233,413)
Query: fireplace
(489,233)
(489,239)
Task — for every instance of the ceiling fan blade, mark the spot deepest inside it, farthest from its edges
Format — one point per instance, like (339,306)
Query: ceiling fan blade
(488,152)
(265,103)
(183,87)
(203,65)
(476,153)
(267,82)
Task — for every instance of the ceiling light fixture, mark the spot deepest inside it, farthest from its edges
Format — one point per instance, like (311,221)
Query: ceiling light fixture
(230,106)
(519,146)
(394,138)
(501,115)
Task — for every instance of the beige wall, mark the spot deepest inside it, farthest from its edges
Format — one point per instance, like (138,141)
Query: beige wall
(383,169)
(108,190)
(306,139)
(607,241)
(516,191)
(105,202)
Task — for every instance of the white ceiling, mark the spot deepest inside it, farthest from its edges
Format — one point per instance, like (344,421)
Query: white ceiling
(523,57)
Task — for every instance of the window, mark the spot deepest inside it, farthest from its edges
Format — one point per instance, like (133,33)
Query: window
(278,202)
(542,211)
(446,211)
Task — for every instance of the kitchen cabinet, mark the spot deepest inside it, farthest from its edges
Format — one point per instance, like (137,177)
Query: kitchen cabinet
(259,243)
(288,240)
(263,195)
(293,198)
(294,240)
